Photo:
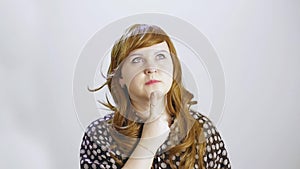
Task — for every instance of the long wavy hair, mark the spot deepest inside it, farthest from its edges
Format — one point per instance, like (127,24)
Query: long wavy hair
(178,104)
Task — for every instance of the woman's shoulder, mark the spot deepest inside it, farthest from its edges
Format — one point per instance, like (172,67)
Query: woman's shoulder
(209,128)
(102,120)
(95,151)
(202,119)
(100,125)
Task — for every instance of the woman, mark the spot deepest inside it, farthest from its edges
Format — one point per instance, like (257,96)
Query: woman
(152,125)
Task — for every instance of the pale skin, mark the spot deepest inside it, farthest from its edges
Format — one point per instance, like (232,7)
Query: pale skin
(148,75)
(153,135)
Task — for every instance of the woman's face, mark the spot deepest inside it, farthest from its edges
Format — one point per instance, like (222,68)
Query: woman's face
(146,70)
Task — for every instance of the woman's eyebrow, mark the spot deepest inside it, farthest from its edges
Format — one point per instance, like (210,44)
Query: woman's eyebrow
(134,54)
(139,54)
(161,51)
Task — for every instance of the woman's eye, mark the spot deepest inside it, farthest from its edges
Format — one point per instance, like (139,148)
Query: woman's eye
(137,60)
(160,56)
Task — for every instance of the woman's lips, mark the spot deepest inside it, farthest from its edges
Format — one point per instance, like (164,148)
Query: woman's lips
(151,82)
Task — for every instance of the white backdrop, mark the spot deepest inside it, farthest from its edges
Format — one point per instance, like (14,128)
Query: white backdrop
(257,43)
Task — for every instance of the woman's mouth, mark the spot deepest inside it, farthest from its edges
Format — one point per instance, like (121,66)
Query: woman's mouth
(152,82)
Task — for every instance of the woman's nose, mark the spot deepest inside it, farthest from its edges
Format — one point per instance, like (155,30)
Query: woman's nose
(150,70)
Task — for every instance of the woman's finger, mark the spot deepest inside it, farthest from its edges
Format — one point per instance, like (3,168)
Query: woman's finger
(156,105)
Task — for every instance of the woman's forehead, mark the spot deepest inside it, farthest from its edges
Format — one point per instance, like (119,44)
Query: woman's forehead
(160,47)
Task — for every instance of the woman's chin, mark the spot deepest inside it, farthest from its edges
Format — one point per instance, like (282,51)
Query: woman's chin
(158,91)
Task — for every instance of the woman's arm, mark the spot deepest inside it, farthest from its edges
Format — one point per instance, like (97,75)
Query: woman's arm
(94,151)
(143,155)
(141,158)
(93,156)
(155,132)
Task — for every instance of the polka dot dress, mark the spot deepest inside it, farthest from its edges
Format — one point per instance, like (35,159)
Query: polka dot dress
(95,152)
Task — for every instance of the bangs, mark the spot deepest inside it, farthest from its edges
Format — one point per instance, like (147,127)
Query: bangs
(142,35)
(143,40)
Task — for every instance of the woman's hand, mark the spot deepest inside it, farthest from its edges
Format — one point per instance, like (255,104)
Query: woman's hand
(156,128)
(155,132)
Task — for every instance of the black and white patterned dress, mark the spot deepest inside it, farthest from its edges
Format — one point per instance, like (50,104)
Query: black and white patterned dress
(95,151)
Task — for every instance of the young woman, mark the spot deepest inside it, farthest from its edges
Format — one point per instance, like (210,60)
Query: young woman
(152,125)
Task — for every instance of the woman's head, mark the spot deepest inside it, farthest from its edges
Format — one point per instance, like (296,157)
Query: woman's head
(130,60)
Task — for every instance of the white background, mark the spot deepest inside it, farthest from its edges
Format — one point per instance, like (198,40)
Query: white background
(257,42)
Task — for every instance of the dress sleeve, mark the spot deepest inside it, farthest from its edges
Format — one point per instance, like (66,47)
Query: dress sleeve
(216,156)
(94,151)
